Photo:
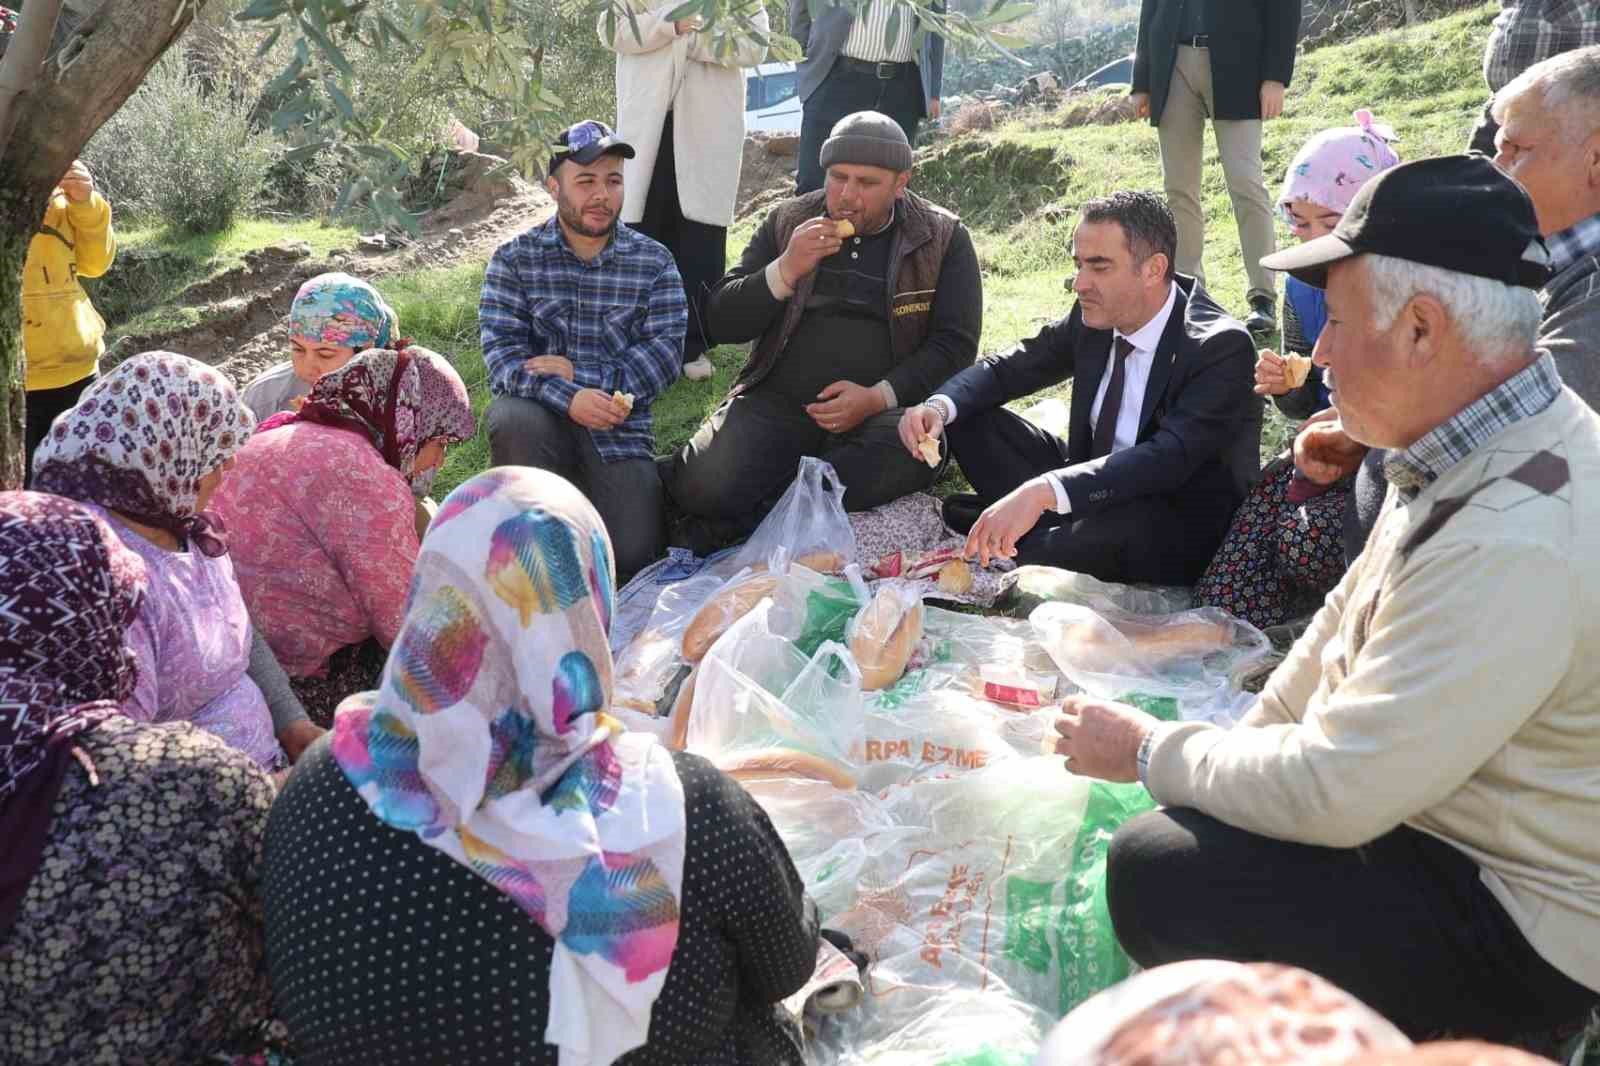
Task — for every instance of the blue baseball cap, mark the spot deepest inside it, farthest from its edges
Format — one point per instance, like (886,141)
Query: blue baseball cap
(584,142)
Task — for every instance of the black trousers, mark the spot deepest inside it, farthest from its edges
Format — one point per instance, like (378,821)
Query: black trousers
(1482,139)
(699,249)
(1404,923)
(627,493)
(1148,540)
(745,455)
(844,92)
(43,405)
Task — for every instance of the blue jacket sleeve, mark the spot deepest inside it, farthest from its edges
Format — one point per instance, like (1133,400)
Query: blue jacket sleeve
(649,366)
(509,334)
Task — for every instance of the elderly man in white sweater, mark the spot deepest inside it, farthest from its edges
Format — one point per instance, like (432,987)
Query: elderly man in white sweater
(680,103)
(1412,809)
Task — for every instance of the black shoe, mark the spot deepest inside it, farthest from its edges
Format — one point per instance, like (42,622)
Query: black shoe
(961,510)
(1263,318)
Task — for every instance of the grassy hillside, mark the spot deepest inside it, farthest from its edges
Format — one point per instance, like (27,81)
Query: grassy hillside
(1019,186)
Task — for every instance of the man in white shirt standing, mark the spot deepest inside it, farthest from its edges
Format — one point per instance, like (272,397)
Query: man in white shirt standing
(1164,435)
(873,62)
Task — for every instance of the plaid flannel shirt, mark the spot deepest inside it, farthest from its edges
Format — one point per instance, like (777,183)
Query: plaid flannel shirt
(1530,31)
(1578,241)
(1520,396)
(619,319)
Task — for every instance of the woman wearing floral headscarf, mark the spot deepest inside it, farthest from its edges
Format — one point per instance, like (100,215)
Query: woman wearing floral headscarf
(333,317)
(481,841)
(146,448)
(130,927)
(320,509)
(1285,549)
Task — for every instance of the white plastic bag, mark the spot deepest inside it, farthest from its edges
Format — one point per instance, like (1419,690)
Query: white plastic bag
(808,524)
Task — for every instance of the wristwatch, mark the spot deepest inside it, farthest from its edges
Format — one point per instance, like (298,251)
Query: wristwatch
(940,404)
(1142,759)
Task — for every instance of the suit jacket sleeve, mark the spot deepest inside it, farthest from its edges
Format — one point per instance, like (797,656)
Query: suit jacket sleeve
(800,23)
(1047,358)
(1141,50)
(741,306)
(1281,35)
(952,339)
(935,56)
(1203,417)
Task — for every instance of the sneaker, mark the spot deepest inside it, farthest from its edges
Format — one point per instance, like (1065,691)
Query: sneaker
(1263,317)
(698,369)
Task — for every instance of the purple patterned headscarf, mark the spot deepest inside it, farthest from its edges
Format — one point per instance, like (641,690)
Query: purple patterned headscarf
(69,589)
(141,439)
(1335,163)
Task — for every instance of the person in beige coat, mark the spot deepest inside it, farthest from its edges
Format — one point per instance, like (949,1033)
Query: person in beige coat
(680,103)
(1410,810)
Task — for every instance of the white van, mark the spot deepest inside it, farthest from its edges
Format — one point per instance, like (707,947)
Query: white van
(771,98)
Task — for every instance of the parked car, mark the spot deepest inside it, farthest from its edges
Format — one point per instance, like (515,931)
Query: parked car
(1119,72)
(771,98)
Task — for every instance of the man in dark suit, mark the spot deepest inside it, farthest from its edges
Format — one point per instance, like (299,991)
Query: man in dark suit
(1165,427)
(1228,61)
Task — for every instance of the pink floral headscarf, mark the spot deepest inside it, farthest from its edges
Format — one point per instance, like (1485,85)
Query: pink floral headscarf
(1337,162)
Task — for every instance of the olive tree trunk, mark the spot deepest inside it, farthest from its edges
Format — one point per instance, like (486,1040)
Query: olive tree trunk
(96,69)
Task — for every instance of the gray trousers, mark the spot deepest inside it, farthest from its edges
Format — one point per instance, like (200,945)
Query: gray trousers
(627,493)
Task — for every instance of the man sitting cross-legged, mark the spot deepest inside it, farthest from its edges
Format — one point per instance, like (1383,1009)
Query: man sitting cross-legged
(1410,808)
(847,328)
(1163,441)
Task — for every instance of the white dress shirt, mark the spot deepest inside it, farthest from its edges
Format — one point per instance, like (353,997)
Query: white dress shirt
(1136,372)
(869,38)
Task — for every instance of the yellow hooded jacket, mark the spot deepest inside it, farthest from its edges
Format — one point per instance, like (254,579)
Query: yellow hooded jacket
(62,333)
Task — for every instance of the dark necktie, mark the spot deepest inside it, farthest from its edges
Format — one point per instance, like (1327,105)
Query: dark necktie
(1105,427)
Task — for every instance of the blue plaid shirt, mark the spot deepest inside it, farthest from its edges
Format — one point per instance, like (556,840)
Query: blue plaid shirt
(619,319)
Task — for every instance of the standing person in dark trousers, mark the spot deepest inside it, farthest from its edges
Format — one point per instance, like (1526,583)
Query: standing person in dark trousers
(847,330)
(1227,62)
(582,323)
(866,63)
(1164,429)
(1527,32)
(680,103)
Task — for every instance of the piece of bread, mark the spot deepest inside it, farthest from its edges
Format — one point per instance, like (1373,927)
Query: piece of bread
(845,229)
(884,636)
(730,604)
(955,576)
(822,561)
(770,764)
(680,712)
(929,448)
(1296,368)
(624,398)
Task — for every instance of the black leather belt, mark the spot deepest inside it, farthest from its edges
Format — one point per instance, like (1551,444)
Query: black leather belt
(1199,40)
(881,71)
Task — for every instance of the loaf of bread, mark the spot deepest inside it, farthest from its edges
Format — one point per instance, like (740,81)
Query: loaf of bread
(731,603)
(955,577)
(822,561)
(769,764)
(624,398)
(1089,641)
(884,636)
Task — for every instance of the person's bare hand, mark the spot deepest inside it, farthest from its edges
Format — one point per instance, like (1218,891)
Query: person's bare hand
(556,366)
(809,244)
(844,405)
(691,25)
(996,532)
(297,736)
(593,409)
(1271,100)
(1272,374)
(78,184)
(919,422)
(1101,738)
(1324,452)
(1141,104)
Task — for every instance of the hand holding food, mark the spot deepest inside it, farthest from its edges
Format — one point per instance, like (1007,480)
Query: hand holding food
(845,229)
(928,448)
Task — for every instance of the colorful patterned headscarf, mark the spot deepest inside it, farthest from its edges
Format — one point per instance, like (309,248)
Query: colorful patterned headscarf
(1213,1011)
(69,589)
(1337,162)
(489,738)
(397,400)
(140,441)
(343,311)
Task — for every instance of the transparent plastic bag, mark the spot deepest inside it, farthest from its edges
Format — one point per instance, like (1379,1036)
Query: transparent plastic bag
(809,525)
(1027,587)
(885,633)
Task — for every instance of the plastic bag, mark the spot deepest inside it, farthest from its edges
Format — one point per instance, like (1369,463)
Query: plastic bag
(885,633)
(1026,587)
(809,525)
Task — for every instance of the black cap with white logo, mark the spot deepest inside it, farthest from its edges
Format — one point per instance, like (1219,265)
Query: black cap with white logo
(584,142)
(1455,212)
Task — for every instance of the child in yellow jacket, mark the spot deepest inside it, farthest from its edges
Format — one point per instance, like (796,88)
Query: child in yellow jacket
(62,333)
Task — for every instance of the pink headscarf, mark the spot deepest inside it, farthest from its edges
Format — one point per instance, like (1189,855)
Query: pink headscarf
(1337,162)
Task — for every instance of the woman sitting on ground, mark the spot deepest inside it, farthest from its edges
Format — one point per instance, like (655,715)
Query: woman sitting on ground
(146,448)
(333,317)
(1285,549)
(321,510)
(130,920)
(486,841)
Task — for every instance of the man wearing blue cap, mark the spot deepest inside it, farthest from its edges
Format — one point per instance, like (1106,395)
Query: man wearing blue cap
(582,323)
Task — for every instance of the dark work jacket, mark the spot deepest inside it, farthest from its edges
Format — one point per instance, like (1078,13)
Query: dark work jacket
(935,296)
(1251,41)
(1199,427)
